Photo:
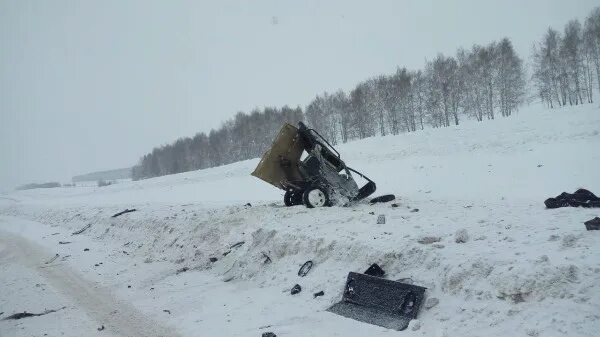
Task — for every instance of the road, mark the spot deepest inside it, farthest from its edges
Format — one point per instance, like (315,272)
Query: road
(87,306)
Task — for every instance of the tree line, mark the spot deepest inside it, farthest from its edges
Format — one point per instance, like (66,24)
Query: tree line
(567,65)
(243,137)
(481,83)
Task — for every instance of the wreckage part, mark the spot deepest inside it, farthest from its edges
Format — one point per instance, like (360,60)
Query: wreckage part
(378,301)
(383,198)
(366,190)
(375,270)
(370,315)
(286,146)
(593,224)
(296,289)
(316,197)
(306,267)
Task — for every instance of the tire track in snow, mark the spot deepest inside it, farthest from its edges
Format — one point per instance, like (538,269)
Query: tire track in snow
(117,316)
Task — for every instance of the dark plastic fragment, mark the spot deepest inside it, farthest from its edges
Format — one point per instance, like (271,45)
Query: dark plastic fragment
(593,224)
(296,289)
(383,198)
(306,267)
(237,244)
(375,270)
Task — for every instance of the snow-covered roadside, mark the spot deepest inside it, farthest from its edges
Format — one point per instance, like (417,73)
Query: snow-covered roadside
(523,270)
(514,253)
(38,278)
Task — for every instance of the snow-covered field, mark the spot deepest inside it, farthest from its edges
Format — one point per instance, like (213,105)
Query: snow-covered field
(523,271)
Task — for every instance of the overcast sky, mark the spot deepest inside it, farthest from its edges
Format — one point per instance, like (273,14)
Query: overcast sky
(93,85)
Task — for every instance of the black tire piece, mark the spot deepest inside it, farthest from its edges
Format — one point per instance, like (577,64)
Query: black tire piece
(306,201)
(383,198)
(296,289)
(306,267)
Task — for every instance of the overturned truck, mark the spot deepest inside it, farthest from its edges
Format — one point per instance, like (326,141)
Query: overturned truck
(310,171)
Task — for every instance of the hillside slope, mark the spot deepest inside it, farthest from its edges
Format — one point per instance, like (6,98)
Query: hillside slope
(524,270)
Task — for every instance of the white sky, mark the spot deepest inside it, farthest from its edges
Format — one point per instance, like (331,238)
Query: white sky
(93,85)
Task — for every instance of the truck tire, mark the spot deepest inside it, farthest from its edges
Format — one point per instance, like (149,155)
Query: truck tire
(315,197)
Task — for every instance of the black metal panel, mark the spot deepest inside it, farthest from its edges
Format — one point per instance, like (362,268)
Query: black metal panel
(379,301)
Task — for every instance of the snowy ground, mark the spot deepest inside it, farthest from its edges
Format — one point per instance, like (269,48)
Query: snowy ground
(524,270)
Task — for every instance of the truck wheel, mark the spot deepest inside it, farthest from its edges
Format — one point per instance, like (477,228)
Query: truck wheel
(292,198)
(315,197)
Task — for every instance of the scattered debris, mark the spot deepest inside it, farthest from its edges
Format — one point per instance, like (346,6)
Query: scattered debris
(593,224)
(375,270)
(429,240)
(383,198)
(267,258)
(86,227)
(25,314)
(227,253)
(237,244)
(101,328)
(248,205)
(269,334)
(182,270)
(372,213)
(431,302)
(397,303)
(514,298)
(381,219)
(63,242)
(54,233)
(461,236)
(86,249)
(129,286)
(414,210)
(395,205)
(52,259)
(540,165)
(296,289)
(306,267)
(167,311)
(320,293)
(581,198)
(213,259)
(123,212)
